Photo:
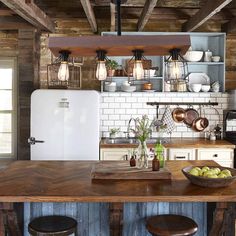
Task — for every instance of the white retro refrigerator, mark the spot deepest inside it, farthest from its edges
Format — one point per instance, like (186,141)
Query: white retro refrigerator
(64,125)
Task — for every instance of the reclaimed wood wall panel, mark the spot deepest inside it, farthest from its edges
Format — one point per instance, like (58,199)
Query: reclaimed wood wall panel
(28,61)
(93,218)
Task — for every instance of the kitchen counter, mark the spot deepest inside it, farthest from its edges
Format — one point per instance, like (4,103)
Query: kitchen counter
(70,181)
(175,143)
(63,181)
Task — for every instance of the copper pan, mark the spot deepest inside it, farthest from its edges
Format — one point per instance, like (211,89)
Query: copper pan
(190,115)
(200,123)
(178,114)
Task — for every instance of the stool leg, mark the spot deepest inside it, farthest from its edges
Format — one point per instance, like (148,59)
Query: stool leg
(116,219)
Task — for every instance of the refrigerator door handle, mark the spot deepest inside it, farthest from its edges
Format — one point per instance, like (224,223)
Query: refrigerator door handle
(32,141)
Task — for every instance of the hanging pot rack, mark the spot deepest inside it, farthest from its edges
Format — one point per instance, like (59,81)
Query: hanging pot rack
(157,104)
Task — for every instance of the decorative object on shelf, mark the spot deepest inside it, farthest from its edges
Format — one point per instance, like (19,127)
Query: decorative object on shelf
(64,72)
(111,65)
(193,56)
(101,71)
(176,69)
(113,132)
(215,87)
(142,132)
(207,56)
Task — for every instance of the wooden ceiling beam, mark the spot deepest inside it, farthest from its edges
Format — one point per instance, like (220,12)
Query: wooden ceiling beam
(113,17)
(229,27)
(146,13)
(31,13)
(90,14)
(204,14)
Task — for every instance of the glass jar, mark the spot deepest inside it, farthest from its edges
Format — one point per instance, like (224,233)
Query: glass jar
(142,153)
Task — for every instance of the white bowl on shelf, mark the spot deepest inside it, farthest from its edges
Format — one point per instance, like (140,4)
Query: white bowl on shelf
(195,87)
(128,89)
(193,56)
(205,87)
(110,86)
(215,58)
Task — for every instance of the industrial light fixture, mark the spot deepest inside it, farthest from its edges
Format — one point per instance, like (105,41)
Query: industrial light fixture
(176,68)
(138,72)
(101,71)
(63,72)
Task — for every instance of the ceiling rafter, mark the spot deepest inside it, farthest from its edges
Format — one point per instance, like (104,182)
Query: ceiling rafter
(90,14)
(204,14)
(31,13)
(146,13)
(229,27)
(113,16)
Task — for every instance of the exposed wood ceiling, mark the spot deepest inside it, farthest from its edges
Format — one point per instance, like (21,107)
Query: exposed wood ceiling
(15,14)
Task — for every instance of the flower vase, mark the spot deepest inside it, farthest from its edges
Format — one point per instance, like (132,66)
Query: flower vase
(142,161)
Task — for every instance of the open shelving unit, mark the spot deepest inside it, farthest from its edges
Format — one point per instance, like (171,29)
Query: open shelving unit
(215,42)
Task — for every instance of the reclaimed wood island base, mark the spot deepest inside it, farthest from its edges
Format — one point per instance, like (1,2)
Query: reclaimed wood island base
(70,181)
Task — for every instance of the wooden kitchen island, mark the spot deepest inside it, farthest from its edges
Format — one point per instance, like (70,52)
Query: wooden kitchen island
(70,181)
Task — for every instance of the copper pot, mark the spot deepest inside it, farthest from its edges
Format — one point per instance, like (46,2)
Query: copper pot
(147,86)
(200,124)
(190,115)
(178,114)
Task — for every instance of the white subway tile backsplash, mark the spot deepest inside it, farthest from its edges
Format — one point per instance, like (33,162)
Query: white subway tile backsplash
(117,108)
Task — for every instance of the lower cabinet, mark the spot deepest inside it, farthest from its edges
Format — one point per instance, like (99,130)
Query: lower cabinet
(114,154)
(181,154)
(223,156)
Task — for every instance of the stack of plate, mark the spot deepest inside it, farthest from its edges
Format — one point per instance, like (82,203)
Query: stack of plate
(129,89)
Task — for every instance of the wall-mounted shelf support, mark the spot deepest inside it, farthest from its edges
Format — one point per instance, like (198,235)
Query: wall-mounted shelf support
(157,104)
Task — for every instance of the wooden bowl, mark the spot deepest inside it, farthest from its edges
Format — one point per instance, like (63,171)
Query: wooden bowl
(210,182)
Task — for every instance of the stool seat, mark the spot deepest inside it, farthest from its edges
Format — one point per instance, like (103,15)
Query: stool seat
(171,225)
(52,225)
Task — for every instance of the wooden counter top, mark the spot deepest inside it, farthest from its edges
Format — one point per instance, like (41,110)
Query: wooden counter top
(178,143)
(70,181)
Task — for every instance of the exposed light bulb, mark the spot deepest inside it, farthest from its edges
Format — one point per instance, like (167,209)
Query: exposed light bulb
(138,72)
(63,72)
(101,72)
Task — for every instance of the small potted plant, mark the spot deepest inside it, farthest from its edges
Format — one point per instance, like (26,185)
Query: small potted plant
(114,132)
(111,65)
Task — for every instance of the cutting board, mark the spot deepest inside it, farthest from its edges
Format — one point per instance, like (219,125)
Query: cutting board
(122,170)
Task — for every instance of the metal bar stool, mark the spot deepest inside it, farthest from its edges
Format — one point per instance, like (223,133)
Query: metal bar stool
(52,226)
(171,225)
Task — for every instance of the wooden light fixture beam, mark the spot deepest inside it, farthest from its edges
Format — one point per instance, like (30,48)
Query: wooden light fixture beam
(90,14)
(146,13)
(120,45)
(31,13)
(210,9)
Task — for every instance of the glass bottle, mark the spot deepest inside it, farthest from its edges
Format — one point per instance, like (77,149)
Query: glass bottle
(142,161)
(159,150)
(155,164)
(132,161)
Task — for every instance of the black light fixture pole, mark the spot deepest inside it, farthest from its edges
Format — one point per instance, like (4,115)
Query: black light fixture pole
(118,18)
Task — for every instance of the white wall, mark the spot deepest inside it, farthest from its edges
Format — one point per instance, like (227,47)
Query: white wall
(118,107)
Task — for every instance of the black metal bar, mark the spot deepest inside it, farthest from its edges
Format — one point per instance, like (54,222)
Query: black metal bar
(118,17)
(183,103)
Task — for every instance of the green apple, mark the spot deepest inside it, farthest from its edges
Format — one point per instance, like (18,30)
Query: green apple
(212,176)
(216,170)
(194,172)
(205,168)
(208,172)
(226,172)
(222,175)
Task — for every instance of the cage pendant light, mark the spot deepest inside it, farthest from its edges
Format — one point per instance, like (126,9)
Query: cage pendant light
(176,68)
(101,70)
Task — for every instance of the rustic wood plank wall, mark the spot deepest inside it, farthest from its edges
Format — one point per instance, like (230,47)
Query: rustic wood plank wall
(27,47)
(28,64)
(93,218)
